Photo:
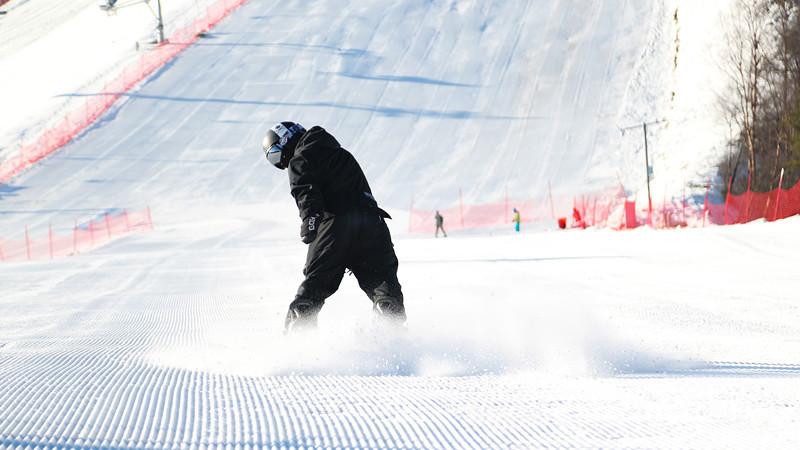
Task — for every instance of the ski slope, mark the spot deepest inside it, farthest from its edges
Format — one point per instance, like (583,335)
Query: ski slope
(575,339)
(172,339)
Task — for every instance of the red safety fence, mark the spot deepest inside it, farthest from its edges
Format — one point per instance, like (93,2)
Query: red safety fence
(83,237)
(774,205)
(3,2)
(612,209)
(735,209)
(95,106)
(598,209)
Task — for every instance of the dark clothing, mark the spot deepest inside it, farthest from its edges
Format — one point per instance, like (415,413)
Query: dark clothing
(326,179)
(359,241)
(440,224)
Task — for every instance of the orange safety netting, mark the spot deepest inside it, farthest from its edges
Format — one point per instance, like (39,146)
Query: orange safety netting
(79,119)
(83,238)
(774,205)
(597,209)
(611,209)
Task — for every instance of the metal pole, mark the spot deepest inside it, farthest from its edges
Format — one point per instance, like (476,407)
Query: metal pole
(647,169)
(160,24)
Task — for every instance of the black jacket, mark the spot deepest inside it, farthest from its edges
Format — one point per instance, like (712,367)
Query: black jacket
(325,178)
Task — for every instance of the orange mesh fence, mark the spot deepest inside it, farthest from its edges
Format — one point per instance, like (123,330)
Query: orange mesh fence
(83,237)
(611,209)
(777,204)
(79,119)
(600,209)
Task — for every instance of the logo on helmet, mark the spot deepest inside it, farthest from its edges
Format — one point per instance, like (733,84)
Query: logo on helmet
(284,134)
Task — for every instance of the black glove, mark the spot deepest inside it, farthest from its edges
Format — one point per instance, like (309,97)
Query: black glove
(308,230)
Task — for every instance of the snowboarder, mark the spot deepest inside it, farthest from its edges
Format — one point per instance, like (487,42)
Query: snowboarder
(439,224)
(516,220)
(341,223)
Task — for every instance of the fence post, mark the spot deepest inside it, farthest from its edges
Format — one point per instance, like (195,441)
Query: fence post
(705,202)
(27,243)
(683,205)
(410,212)
(50,236)
(550,194)
(748,197)
(108,225)
(127,222)
(727,198)
(505,204)
(778,200)
(461,206)
(91,232)
(149,218)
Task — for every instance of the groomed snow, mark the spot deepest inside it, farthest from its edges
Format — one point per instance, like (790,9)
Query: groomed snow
(586,339)
(583,339)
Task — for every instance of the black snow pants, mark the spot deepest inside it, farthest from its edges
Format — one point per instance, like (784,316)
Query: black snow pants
(359,241)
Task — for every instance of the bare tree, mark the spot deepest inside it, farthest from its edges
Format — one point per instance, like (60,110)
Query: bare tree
(747,25)
(763,101)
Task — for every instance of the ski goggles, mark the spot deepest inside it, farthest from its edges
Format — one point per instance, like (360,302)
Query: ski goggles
(273,154)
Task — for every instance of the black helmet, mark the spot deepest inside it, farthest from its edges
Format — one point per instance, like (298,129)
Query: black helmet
(280,142)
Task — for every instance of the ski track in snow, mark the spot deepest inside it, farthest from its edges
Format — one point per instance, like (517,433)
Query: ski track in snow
(93,387)
(595,339)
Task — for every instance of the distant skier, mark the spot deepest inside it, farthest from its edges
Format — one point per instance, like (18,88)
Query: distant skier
(440,224)
(342,224)
(516,220)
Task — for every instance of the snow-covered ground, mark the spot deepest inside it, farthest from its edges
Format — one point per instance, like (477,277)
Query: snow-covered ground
(679,339)
(583,339)
(52,51)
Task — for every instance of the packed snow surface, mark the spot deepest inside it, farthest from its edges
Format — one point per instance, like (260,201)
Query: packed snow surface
(582,339)
(680,339)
